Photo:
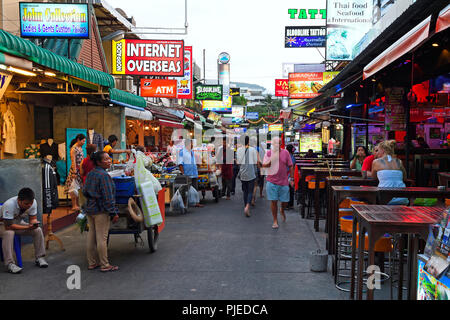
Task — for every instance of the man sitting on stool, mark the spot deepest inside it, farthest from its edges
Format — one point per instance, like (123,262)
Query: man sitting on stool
(12,214)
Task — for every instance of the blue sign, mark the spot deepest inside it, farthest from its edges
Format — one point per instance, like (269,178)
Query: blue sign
(252,115)
(54,20)
(305,37)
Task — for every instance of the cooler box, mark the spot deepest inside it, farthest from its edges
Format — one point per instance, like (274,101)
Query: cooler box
(125,188)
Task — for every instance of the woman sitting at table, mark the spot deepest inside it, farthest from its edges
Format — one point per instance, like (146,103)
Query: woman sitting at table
(389,170)
(358,159)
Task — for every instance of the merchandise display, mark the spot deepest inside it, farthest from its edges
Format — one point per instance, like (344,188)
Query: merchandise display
(9,133)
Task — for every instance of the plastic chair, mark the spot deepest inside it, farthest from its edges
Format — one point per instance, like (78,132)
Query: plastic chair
(17,250)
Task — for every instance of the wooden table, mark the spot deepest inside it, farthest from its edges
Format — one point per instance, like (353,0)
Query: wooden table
(338,181)
(386,194)
(444,178)
(377,220)
(321,174)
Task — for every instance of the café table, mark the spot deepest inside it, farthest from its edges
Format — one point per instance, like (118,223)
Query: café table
(376,220)
(444,178)
(339,181)
(321,174)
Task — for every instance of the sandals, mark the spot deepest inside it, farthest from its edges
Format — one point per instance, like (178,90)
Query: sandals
(275,226)
(109,269)
(93,267)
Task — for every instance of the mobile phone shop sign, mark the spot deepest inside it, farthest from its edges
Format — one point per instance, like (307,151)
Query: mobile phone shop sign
(148,57)
(305,37)
(208,92)
(54,20)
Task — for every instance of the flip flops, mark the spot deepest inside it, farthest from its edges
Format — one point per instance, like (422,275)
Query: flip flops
(109,269)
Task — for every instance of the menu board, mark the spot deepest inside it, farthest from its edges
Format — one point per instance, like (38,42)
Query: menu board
(395,118)
(311,141)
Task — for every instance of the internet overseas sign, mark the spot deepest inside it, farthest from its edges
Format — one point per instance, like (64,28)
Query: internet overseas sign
(305,37)
(208,92)
(54,20)
(347,23)
(148,57)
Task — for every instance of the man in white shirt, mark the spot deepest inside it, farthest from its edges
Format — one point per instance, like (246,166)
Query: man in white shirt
(12,214)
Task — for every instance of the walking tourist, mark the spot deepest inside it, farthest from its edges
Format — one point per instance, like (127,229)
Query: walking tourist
(358,159)
(12,213)
(247,157)
(100,192)
(74,181)
(389,170)
(278,161)
(260,178)
(226,167)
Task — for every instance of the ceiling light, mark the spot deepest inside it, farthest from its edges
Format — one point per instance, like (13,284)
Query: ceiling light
(147,128)
(22,72)
(50,74)
(435,44)
(374,80)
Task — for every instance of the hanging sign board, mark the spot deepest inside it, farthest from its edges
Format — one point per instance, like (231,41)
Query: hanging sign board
(5,79)
(54,20)
(148,57)
(281,87)
(235,91)
(305,37)
(184,84)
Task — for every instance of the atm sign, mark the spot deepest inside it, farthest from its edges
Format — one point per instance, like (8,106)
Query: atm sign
(159,88)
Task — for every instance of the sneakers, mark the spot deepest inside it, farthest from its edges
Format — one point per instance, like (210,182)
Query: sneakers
(12,268)
(41,263)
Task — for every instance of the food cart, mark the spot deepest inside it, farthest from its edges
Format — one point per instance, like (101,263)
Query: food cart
(131,220)
(207,178)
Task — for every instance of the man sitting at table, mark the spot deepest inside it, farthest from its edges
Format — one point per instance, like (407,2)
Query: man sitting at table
(366,169)
(310,154)
(12,214)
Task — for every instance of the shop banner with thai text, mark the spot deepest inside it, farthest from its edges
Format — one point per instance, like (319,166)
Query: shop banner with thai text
(281,87)
(148,57)
(159,88)
(54,20)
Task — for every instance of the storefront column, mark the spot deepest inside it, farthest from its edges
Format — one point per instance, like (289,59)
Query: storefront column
(123,132)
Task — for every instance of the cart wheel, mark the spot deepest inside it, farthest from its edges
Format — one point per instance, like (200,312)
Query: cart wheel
(152,236)
(216,194)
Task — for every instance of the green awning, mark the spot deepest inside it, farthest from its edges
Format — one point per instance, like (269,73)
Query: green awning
(17,46)
(127,98)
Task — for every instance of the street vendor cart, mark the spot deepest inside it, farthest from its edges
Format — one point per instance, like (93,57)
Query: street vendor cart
(207,179)
(131,220)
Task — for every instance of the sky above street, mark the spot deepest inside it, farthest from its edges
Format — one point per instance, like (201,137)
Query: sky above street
(251,31)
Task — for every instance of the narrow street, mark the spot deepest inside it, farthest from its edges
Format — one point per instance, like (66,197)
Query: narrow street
(213,252)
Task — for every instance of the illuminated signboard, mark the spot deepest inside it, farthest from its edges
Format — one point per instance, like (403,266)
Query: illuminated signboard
(217,106)
(235,91)
(347,23)
(305,37)
(159,88)
(281,87)
(208,92)
(306,85)
(54,20)
(275,127)
(148,57)
(252,115)
(307,13)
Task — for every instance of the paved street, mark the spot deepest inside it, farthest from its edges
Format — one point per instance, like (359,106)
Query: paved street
(213,252)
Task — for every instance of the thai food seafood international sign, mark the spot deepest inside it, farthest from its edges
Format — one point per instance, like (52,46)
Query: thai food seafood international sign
(54,20)
(347,23)
(148,57)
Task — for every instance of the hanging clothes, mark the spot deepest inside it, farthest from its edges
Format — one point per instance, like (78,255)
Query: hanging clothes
(62,151)
(95,138)
(47,149)
(9,133)
(49,188)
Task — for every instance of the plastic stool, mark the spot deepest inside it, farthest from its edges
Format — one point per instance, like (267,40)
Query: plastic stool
(17,250)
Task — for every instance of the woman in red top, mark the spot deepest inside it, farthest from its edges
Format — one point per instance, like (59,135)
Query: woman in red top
(87,165)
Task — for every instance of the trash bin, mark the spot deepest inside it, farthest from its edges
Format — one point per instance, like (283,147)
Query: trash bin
(319,261)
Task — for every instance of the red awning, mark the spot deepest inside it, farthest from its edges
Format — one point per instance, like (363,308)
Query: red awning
(443,21)
(189,115)
(402,46)
(172,124)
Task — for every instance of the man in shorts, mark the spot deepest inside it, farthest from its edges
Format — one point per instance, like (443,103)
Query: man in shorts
(278,161)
